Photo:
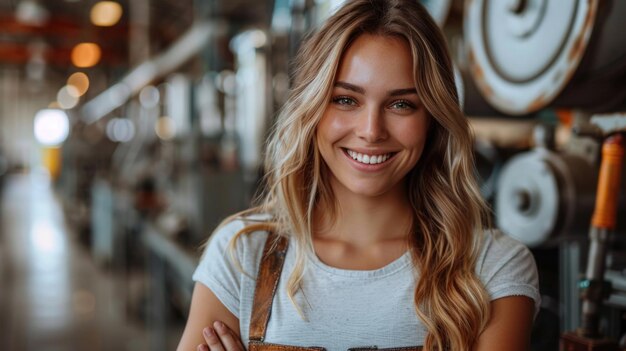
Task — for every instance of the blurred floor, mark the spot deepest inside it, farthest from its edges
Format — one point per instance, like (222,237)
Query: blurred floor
(52,296)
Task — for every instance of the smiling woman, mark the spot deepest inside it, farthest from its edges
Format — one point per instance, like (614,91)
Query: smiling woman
(370,233)
(372,117)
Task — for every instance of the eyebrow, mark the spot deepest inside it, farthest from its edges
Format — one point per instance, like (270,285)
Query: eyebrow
(360,90)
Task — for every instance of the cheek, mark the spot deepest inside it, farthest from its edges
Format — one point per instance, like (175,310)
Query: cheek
(330,129)
(413,134)
(322,140)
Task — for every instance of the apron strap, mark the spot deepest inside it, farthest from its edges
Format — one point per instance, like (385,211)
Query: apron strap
(266,284)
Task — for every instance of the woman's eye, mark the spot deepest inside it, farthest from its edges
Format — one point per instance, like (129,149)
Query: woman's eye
(343,100)
(402,105)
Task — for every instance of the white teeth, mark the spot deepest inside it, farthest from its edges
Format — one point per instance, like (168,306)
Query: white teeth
(368,159)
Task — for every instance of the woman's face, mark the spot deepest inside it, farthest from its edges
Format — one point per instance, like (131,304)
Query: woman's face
(374,128)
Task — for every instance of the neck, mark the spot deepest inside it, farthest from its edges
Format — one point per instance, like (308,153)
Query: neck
(366,220)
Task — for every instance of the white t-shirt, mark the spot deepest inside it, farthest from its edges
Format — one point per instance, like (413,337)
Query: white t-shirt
(349,308)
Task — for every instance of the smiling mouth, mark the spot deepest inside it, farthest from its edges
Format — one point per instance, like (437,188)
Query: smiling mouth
(369,159)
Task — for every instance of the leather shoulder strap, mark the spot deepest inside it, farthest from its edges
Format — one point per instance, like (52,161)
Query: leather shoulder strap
(266,284)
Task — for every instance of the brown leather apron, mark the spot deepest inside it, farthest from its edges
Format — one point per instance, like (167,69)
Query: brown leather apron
(270,269)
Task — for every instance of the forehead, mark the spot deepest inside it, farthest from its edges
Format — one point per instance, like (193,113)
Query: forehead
(377,59)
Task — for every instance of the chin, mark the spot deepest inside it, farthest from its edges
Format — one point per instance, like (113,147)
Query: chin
(368,191)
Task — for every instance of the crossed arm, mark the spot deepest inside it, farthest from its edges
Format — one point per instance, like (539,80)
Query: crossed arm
(211,326)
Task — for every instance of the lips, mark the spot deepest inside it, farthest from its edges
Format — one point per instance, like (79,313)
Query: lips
(369,159)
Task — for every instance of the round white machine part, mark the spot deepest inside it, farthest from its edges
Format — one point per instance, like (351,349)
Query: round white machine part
(524,52)
(542,196)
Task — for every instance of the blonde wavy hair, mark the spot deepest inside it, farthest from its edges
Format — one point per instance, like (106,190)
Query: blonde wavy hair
(448,209)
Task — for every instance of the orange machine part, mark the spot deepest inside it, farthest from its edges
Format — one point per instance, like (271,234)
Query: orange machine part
(605,213)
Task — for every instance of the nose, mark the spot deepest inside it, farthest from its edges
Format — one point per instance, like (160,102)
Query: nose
(371,125)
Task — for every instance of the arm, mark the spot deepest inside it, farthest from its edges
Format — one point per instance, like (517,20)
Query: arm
(205,309)
(509,326)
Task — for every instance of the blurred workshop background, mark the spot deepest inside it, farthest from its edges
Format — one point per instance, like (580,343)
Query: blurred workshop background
(129,129)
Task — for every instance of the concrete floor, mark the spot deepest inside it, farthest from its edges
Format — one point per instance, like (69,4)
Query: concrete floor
(52,295)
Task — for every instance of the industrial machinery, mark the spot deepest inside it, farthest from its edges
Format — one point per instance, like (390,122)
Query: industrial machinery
(529,55)
(165,152)
(543,60)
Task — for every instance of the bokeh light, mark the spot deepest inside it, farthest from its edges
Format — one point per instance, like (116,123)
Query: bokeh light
(80,81)
(165,128)
(106,13)
(32,13)
(67,97)
(52,127)
(149,96)
(120,130)
(86,55)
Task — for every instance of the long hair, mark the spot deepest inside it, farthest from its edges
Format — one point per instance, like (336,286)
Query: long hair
(447,206)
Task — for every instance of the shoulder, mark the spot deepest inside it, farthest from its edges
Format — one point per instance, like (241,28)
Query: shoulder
(233,231)
(507,267)
(497,247)
(232,252)
(235,246)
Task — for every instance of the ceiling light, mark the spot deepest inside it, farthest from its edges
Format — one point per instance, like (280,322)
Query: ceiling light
(51,127)
(106,13)
(86,55)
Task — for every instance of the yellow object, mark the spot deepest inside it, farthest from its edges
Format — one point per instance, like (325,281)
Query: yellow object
(52,160)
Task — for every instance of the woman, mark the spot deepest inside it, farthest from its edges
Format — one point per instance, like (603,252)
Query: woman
(371,192)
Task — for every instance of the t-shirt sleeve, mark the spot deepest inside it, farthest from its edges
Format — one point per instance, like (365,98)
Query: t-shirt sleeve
(218,271)
(508,268)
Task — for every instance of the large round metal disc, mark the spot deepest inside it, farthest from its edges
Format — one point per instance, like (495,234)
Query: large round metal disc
(527,200)
(523,52)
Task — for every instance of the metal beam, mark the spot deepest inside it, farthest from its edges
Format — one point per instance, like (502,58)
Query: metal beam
(190,44)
